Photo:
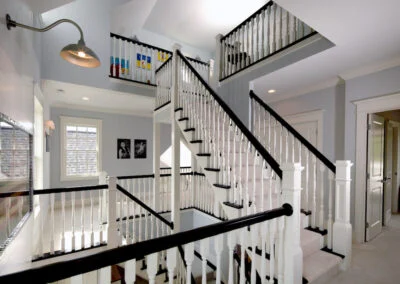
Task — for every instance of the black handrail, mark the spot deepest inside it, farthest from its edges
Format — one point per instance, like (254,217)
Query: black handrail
(257,145)
(69,189)
(140,43)
(138,201)
(136,176)
(295,133)
(270,3)
(68,268)
(164,64)
(197,61)
(14,194)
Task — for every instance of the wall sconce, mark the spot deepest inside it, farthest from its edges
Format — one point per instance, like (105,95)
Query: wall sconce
(78,54)
(49,127)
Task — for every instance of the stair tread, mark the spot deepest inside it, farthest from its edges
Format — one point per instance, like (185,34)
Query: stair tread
(189,129)
(212,169)
(183,118)
(317,230)
(320,264)
(203,154)
(233,205)
(222,186)
(196,141)
(310,242)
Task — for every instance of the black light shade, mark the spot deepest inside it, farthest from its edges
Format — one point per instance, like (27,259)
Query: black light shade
(81,55)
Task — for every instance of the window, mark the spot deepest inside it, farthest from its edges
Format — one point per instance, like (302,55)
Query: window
(81,148)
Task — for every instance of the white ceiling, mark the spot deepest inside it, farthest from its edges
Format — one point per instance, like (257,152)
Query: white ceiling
(100,100)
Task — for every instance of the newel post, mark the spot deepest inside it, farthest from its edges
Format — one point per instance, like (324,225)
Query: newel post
(112,233)
(291,193)
(217,68)
(342,230)
(176,140)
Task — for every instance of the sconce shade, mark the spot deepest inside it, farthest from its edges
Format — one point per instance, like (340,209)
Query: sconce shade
(81,55)
(78,54)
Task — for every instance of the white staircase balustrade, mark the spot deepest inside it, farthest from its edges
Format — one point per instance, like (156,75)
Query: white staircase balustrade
(267,31)
(70,219)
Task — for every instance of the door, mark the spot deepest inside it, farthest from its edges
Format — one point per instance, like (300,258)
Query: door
(388,172)
(375,163)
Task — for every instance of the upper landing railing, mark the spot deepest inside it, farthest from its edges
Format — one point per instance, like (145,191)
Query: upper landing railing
(268,31)
(137,62)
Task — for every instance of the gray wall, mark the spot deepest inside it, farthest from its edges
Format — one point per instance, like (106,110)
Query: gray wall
(114,126)
(235,90)
(327,100)
(20,63)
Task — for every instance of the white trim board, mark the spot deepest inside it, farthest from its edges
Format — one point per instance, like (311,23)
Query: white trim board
(310,116)
(363,108)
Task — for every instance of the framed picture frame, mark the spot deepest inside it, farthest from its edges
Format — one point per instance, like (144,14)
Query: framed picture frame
(140,151)
(123,148)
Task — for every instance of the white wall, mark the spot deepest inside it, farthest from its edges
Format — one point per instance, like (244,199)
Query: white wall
(114,126)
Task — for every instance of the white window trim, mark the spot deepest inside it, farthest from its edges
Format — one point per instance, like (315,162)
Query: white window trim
(79,121)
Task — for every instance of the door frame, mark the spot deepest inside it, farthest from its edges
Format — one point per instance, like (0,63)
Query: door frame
(363,108)
(310,116)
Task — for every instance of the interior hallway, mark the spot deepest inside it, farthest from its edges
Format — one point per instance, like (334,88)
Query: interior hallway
(376,261)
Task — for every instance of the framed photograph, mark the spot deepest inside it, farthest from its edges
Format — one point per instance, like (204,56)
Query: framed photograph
(140,148)
(123,148)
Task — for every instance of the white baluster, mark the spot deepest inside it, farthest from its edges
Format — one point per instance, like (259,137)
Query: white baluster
(73,219)
(52,223)
(189,257)
(104,275)
(77,279)
(314,192)
(272,232)
(321,196)
(330,202)
(82,219)
(254,238)
(171,263)
(152,266)
(130,271)
(231,239)
(204,249)
(63,221)
(243,245)
(219,245)
(263,264)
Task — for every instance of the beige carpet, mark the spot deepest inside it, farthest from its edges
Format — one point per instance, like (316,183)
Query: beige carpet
(377,261)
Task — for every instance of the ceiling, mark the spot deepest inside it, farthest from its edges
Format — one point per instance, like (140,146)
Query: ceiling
(99,100)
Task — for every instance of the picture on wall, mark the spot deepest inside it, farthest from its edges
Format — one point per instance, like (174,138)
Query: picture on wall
(124,148)
(140,148)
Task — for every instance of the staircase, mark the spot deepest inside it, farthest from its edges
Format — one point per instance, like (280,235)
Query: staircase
(247,179)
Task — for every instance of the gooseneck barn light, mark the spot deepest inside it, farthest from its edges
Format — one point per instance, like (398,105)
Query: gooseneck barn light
(78,54)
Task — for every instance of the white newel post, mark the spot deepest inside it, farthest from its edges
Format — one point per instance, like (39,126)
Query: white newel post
(216,72)
(175,139)
(291,193)
(112,233)
(103,180)
(156,165)
(342,230)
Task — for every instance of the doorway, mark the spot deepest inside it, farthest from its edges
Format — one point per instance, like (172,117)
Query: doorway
(382,194)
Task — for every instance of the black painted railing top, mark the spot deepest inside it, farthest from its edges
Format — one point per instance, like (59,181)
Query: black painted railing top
(68,268)
(142,204)
(243,128)
(164,64)
(295,133)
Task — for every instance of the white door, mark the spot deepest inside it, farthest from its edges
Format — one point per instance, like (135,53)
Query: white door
(376,131)
(388,171)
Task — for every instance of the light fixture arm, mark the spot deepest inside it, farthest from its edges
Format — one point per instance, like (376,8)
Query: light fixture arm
(12,24)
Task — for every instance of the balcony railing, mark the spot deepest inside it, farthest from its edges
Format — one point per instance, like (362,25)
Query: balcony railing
(268,31)
(135,61)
